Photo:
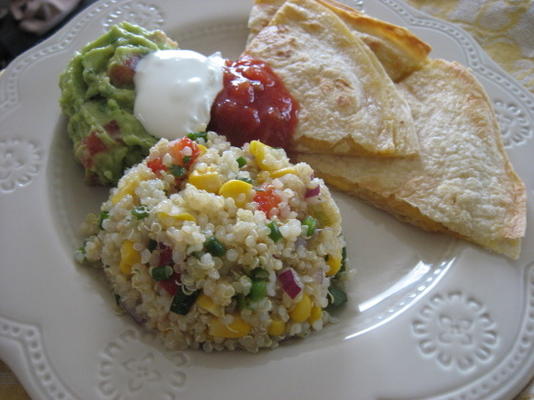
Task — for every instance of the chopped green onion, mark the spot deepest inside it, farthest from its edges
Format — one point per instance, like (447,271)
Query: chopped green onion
(177,170)
(310,225)
(182,303)
(248,180)
(198,135)
(275,234)
(336,297)
(214,247)
(259,274)
(241,161)
(187,160)
(258,290)
(103,216)
(80,254)
(152,244)
(161,273)
(140,212)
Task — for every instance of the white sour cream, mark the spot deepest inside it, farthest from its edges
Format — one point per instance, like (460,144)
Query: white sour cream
(175,90)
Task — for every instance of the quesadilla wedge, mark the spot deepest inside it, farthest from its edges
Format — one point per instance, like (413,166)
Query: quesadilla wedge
(462,183)
(347,102)
(399,51)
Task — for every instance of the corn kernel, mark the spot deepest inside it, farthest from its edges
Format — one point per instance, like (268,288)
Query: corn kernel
(284,171)
(128,185)
(182,216)
(302,310)
(315,314)
(233,188)
(202,148)
(209,180)
(129,257)
(236,329)
(125,189)
(261,153)
(206,303)
(334,263)
(277,327)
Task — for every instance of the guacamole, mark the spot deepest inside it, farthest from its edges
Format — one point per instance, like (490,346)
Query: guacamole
(97,96)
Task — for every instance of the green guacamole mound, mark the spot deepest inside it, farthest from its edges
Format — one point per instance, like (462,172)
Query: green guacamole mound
(97,96)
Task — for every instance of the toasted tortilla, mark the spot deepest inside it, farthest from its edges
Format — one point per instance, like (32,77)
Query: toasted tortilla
(463,182)
(348,104)
(399,51)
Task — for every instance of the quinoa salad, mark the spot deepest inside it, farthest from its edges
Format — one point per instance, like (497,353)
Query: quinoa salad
(216,247)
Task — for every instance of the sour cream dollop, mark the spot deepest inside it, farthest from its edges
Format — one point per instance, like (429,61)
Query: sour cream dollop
(175,90)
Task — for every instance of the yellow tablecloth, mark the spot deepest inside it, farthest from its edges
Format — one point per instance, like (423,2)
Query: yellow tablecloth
(504,28)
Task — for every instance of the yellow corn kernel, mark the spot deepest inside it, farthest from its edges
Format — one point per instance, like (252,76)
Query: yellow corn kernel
(128,185)
(125,189)
(277,327)
(129,257)
(236,329)
(206,303)
(202,148)
(234,187)
(284,171)
(335,264)
(260,152)
(302,310)
(209,180)
(182,216)
(315,314)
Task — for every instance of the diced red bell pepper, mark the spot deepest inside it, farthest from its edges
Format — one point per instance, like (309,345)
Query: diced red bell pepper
(266,199)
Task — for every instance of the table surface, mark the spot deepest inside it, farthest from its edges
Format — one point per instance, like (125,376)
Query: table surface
(504,29)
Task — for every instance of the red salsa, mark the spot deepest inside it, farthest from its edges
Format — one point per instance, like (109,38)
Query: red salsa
(254,104)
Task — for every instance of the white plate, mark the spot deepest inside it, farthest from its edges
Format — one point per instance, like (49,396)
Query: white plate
(428,316)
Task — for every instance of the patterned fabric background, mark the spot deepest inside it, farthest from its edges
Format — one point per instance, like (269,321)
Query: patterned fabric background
(504,28)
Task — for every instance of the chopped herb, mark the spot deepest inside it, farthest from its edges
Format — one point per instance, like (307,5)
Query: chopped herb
(187,160)
(336,298)
(275,234)
(310,224)
(103,216)
(198,135)
(241,161)
(248,180)
(182,303)
(177,170)
(162,273)
(140,212)
(152,244)
(214,247)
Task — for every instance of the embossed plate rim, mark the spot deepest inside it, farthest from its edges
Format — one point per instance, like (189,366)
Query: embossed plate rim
(42,379)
